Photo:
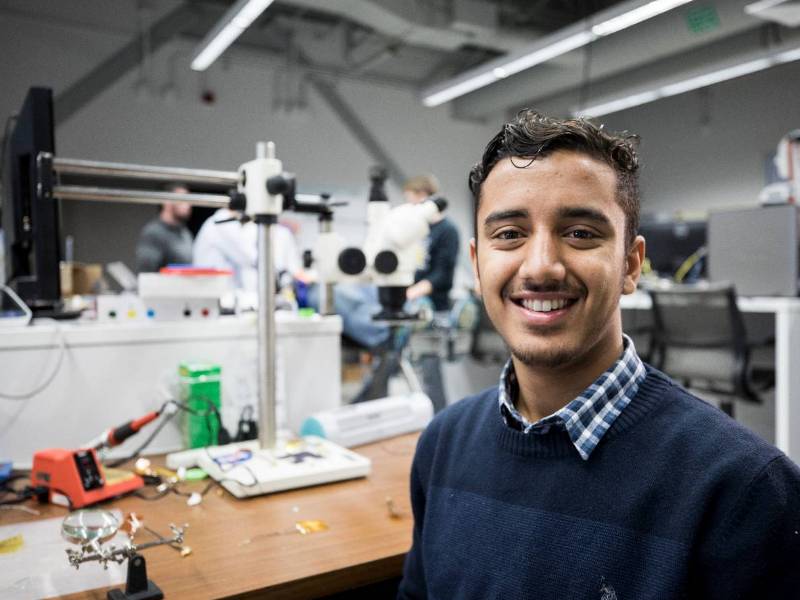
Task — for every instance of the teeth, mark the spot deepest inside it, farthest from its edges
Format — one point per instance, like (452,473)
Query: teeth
(544,305)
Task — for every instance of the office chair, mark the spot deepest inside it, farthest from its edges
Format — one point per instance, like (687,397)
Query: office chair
(638,325)
(699,338)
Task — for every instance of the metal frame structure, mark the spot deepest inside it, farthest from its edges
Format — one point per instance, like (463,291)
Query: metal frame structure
(50,167)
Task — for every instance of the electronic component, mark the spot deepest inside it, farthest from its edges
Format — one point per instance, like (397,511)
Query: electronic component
(75,478)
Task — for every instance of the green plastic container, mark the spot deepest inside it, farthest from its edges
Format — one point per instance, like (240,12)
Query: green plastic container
(200,390)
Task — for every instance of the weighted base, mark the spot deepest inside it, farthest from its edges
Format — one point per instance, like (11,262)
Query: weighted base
(138,586)
(153,592)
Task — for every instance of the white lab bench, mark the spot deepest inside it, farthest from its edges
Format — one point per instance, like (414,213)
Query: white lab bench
(104,374)
(786,312)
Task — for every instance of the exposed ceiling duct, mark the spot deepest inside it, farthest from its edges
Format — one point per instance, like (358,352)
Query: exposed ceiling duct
(400,20)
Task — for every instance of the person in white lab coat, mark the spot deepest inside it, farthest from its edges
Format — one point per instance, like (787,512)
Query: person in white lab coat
(234,246)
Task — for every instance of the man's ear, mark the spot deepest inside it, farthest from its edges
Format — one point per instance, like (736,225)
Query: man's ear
(473,256)
(633,265)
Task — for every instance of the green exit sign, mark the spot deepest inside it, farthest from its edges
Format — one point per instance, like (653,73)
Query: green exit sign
(702,19)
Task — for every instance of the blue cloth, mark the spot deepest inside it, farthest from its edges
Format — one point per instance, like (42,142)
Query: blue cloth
(587,417)
(356,304)
(677,501)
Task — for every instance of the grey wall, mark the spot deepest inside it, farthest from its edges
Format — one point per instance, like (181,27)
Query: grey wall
(708,149)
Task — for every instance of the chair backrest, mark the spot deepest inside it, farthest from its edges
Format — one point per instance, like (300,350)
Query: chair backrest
(699,336)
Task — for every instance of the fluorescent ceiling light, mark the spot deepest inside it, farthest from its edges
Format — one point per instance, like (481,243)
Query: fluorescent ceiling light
(214,48)
(524,62)
(788,56)
(238,18)
(707,79)
(459,89)
(537,57)
(637,15)
(693,83)
(620,104)
(552,46)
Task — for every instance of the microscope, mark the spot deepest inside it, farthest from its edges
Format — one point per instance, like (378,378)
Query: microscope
(391,251)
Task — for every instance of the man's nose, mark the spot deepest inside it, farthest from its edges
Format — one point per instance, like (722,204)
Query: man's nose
(543,261)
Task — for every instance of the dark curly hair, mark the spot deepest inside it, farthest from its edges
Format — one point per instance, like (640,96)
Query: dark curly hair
(532,135)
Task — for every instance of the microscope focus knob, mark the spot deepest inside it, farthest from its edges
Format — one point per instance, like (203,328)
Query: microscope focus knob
(352,261)
(386,262)
(280,184)
(238,201)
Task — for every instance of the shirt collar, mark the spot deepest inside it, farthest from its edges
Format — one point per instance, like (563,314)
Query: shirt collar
(588,417)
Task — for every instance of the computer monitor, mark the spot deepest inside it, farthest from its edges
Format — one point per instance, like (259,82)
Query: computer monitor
(670,243)
(31,225)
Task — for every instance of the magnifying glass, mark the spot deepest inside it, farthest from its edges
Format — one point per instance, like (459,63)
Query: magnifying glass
(86,526)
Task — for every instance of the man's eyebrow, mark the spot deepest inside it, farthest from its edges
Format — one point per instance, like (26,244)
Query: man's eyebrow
(505,215)
(582,212)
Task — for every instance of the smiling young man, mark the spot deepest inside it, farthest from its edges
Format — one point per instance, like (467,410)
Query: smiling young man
(586,474)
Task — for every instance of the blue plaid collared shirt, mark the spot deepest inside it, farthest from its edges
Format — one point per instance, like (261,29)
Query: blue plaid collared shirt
(586,418)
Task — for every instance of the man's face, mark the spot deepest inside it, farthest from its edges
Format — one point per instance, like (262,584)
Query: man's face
(414,196)
(182,211)
(550,259)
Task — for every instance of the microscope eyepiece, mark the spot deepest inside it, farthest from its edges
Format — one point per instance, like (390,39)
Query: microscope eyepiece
(352,261)
(386,262)
(377,191)
(378,173)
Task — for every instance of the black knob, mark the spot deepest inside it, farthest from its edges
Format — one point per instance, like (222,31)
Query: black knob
(386,262)
(280,184)
(352,261)
(308,259)
(238,202)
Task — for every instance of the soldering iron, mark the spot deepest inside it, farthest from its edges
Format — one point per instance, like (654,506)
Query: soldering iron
(116,435)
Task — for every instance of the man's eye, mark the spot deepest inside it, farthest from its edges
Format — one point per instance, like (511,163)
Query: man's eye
(507,234)
(581,234)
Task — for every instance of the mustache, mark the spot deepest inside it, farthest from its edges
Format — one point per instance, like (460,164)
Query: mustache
(553,287)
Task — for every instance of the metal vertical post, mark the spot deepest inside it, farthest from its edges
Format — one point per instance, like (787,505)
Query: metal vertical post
(326,306)
(267,340)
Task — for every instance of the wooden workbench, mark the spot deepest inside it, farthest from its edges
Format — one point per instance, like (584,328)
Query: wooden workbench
(248,548)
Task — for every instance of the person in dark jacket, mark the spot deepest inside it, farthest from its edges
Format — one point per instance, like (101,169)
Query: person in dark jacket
(435,278)
(166,240)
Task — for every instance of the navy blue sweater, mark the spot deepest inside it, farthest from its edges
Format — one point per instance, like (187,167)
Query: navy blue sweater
(677,501)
